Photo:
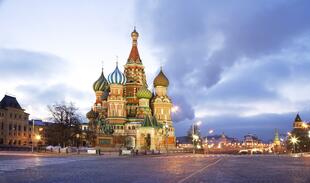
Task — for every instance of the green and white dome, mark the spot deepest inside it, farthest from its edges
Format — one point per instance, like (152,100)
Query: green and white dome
(101,84)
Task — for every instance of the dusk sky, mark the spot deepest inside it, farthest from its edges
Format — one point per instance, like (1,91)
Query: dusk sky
(238,66)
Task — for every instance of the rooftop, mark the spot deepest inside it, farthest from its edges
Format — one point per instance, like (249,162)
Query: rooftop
(9,101)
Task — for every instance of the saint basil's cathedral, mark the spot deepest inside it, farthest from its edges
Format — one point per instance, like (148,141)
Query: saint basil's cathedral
(126,113)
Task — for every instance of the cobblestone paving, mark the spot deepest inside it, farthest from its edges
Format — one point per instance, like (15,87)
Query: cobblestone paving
(261,169)
(174,169)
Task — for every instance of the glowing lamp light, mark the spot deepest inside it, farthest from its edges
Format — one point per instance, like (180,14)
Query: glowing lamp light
(195,137)
(304,125)
(175,109)
(289,133)
(166,125)
(38,137)
(294,140)
(198,123)
(211,131)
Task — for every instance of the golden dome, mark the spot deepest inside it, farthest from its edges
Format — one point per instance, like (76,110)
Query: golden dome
(92,114)
(161,79)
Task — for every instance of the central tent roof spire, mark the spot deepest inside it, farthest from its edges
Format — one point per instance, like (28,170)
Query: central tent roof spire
(134,56)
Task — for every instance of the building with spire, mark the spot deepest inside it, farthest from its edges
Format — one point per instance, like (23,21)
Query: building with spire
(298,123)
(126,112)
(276,140)
(301,131)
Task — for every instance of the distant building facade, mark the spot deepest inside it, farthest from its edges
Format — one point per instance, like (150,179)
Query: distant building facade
(39,131)
(251,140)
(299,123)
(14,127)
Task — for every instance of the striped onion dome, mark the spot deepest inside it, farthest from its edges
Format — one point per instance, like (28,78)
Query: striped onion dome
(143,92)
(161,79)
(117,77)
(101,84)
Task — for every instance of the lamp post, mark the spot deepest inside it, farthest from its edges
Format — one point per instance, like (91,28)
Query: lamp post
(77,142)
(194,135)
(209,132)
(32,134)
(38,138)
(166,127)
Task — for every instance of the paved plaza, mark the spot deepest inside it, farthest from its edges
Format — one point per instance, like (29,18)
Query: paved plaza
(179,168)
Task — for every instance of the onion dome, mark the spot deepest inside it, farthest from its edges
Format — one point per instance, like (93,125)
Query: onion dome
(143,92)
(134,34)
(117,77)
(92,114)
(161,79)
(101,84)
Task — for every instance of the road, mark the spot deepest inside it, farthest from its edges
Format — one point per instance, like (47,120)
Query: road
(184,168)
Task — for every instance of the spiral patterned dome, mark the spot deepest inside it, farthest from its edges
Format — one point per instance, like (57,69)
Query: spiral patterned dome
(143,92)
(161,79)
(101,84)
(117,77)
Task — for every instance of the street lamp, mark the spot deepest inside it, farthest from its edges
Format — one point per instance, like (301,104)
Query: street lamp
(166,127)
(194,135)
(77,142)
(210,132)
(32,134)
(294,140)
(38,138)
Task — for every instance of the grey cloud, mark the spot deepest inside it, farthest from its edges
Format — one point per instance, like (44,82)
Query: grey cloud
(185,112)
(251,30)
(237,126)
(17,63)
(49,94)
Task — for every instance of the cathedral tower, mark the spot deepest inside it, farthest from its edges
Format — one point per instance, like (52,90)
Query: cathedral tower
(144,95)
(161,104)
(116,100)
(134,72)
(101,88)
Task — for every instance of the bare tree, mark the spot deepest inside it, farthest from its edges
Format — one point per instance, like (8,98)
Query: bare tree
(66,124)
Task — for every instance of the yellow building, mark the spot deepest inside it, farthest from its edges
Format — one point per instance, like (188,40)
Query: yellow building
(14,128)
(127,113)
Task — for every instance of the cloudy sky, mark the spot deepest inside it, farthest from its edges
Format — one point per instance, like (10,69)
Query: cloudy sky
(238,66)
